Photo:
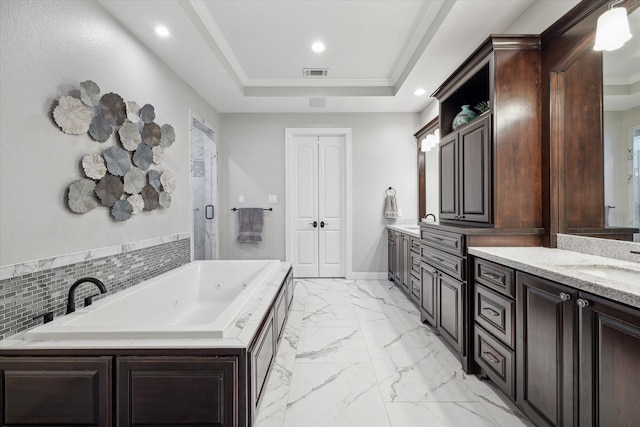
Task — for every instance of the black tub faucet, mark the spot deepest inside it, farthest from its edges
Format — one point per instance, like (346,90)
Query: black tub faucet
(71,304)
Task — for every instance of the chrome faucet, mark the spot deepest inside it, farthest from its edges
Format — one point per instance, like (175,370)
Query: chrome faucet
(71,304)
(428,215)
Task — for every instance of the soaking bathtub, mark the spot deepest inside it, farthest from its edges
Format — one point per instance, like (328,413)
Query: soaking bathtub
(202,299)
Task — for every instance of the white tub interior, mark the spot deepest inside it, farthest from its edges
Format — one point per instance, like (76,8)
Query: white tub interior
(200,299)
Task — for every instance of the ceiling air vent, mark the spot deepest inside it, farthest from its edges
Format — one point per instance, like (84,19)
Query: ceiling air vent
(315,72)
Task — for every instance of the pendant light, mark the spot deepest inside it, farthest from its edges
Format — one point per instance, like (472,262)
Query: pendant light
(612,31)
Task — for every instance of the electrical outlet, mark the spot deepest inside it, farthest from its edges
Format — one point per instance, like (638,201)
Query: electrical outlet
(399,212)
(241,199)
(273,198)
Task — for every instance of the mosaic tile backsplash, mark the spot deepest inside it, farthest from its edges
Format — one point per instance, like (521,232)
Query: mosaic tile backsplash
(25,296)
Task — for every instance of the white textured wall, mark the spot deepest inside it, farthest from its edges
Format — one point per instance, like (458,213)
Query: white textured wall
(251,161)
(48,48)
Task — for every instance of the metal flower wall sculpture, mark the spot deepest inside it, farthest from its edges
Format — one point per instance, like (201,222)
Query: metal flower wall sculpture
(120,178)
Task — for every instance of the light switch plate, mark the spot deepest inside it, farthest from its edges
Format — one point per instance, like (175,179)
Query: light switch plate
(241,199)
(273,198)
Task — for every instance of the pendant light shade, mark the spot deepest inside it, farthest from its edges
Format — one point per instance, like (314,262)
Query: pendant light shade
(613,29)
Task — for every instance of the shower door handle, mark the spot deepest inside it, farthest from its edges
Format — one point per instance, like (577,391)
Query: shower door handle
(206,212)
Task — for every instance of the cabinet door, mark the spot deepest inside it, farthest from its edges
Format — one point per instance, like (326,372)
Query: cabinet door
(397,252)
(475,170)
(62,391)
(281,312)
(177,391)
(449,176)
(545,350)
(609,368)
(450,309)
(390,257)
(262,355)
(428,297)
(405,263)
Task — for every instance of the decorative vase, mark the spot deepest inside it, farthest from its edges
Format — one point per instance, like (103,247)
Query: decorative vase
(463,117)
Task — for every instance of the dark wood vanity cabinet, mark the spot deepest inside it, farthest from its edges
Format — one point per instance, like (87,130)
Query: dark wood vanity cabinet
(609,373)
(546,350)
(494,314)
(444,297)
(565,356)
(429,296)
(404,263)
(395,248)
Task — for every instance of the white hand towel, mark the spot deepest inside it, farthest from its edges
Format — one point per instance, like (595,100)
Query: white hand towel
(390,206)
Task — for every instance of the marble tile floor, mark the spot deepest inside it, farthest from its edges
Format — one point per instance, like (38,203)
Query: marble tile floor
(354,353)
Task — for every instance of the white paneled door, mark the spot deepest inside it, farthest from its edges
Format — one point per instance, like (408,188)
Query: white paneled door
(316,165)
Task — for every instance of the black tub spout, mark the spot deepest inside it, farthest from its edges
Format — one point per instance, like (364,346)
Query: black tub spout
(71,304)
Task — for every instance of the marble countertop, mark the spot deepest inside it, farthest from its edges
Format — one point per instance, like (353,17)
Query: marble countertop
(563,266)
(243,331)
(410,229)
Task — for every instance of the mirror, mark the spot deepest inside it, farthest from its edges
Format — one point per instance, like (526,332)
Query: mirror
(428,197)
(621,131)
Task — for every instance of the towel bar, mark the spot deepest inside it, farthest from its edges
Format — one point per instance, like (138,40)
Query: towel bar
(264,209)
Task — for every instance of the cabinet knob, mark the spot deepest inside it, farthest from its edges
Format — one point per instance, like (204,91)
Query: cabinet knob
(490,357)
(566,297)
(490,311)
(582,303)
(491,276)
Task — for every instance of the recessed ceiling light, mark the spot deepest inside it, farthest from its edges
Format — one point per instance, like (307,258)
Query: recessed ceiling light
(317,47)
(419,92)
(162,31)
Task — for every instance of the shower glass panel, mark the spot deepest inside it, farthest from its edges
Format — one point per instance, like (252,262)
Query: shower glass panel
(204,179)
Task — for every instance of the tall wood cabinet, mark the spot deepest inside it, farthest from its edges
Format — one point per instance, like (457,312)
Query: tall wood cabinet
(490,168)
(490,177)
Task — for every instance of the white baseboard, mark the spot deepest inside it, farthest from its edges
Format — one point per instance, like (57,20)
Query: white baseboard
(365,275)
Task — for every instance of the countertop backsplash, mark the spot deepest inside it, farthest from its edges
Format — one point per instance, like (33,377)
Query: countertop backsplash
(608,248)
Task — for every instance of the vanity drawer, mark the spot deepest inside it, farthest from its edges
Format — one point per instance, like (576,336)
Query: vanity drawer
(415,245)
(416,289)
(415,264)
(450,264)
(448,242)
(497,360)
(495,276)
(496,313)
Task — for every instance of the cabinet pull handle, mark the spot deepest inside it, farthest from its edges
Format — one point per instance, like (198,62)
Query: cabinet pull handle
(566,297)
(491,276)
(439,239)
(582,303)
(490,357)
(491,311)
(437,259)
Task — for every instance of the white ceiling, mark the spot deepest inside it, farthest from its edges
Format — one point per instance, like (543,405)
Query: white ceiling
(621,69)
(248,55)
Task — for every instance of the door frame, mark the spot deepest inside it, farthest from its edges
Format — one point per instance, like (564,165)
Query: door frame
(290,134)
(195,116)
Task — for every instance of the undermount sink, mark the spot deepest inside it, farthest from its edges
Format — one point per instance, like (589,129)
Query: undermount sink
(619,274)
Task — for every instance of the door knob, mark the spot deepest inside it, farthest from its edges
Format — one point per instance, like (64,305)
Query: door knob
(314,223)
(322,224)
